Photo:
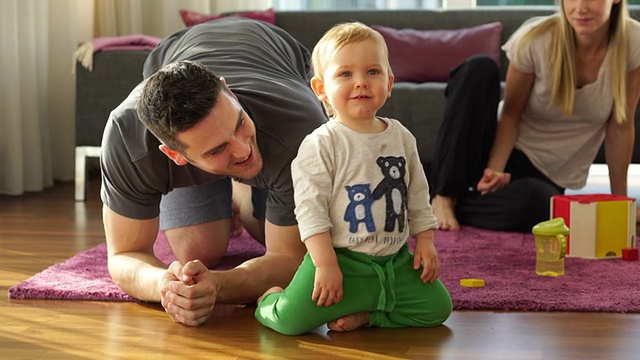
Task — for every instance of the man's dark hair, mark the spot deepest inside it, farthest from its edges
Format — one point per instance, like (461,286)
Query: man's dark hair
(177,97)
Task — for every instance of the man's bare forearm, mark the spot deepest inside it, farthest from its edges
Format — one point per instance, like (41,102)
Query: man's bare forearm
(252,278)
(137,274)
(276,267)
(132,264)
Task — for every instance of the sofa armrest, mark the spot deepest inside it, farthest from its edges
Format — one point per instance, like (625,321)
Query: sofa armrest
(98,92)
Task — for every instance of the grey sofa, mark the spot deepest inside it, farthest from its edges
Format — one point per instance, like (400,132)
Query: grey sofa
(418,105)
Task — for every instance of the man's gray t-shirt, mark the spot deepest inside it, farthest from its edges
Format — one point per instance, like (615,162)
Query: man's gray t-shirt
(269,72)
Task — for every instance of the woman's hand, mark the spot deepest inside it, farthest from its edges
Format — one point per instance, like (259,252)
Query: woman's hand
(493,180)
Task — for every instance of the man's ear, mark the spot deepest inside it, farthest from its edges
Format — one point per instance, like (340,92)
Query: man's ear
(227,87)
(317,85)
(173,155)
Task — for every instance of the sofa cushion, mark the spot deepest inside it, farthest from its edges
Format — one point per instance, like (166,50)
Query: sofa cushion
(420,108)
(429,55)
(190,18)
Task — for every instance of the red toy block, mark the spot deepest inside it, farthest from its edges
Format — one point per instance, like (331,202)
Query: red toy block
(629,254)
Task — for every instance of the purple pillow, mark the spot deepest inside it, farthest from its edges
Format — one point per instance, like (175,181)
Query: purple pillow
(190,18)
(429,55)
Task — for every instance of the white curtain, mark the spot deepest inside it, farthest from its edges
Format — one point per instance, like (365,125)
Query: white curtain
(37,90)
(36,94)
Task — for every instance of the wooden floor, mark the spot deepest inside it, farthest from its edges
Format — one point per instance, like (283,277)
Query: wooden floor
(38,230)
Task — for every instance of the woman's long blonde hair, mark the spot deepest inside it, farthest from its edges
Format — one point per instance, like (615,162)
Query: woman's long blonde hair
(563,57)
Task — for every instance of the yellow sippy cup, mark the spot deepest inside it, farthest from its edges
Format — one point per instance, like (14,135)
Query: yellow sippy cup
(551,246)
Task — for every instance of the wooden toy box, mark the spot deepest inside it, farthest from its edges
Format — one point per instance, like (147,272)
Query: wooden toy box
(600,225)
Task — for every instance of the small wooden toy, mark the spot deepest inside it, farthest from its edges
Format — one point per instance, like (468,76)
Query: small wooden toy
(472,282)
(629,254)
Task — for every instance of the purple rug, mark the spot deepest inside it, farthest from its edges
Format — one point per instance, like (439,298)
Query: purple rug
(85,276)
(506,261)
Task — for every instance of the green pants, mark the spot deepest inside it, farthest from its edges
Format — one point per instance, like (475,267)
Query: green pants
(385,286)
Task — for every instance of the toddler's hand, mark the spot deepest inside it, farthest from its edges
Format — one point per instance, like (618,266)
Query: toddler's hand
(327,288)
(425,255)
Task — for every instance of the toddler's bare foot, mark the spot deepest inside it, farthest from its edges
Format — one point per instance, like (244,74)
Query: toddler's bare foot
(349,322)
(444,209)
(269,291)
